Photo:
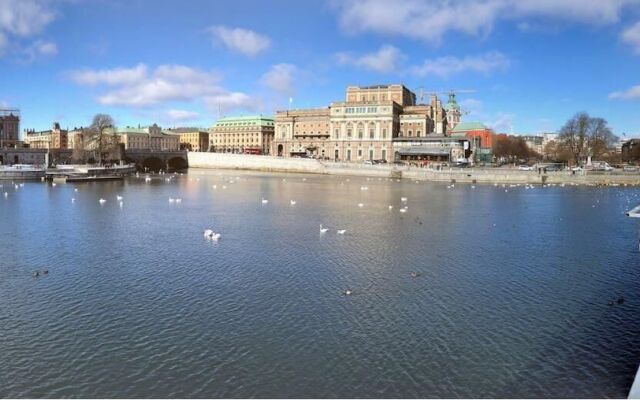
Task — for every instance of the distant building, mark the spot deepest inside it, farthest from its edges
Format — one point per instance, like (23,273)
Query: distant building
(481,137)
(9,127)
(151,138)
(54,138)
(245,134)
(453,111)
(534,143)
(363,127)
(11,156)
(192,139)
(631,150)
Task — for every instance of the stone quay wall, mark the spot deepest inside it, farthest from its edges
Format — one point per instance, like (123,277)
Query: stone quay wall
(457,175)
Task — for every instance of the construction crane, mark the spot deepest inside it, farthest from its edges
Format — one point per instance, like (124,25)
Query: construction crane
(441,91)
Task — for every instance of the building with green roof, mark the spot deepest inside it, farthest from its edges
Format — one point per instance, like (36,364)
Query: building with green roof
(453,111)
(252,134)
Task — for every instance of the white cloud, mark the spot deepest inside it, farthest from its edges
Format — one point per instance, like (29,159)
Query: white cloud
(25,17)
(630,94)
(281,79)
(232,101)
(40,48)
(429,20)
(141,86)
(631,36)
(240,40)
(182,115)
(386,59)
(503,123)
(447,66)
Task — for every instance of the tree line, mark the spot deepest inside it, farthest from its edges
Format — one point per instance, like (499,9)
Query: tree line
(581,137)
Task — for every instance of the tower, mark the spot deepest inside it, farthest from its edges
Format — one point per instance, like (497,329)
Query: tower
(453,111)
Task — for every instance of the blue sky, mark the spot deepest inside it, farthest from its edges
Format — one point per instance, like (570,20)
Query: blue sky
(522,66)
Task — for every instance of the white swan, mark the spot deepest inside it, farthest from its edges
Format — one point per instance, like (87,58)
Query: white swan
(178,200)
(403,210)
(264,201)
(293,202)
(147,179)
(403,199)
(102,201)
(53,184)
(360,205)
(118,197)
(208,233)
(75,190)
(215,186)
(341,231)
(323,230)
(390,207)
(171,200)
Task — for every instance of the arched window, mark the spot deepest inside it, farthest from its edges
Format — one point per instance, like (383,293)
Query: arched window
(417,133)
(409,133)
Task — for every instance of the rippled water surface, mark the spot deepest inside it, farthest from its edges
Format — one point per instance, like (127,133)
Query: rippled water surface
(511,297)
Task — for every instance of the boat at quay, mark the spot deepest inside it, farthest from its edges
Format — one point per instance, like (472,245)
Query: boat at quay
(21,172)
(84,173)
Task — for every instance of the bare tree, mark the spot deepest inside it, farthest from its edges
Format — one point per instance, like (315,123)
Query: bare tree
(584,136)
(98,131)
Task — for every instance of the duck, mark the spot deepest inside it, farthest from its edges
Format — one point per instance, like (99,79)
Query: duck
(323,230)
(621,300)
(45,272)
(415,274)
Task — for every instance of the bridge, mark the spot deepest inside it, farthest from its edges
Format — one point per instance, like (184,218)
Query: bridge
(157,160)
(145,159)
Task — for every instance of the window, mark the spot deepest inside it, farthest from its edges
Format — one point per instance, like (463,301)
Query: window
(370,154)
(401,134)
(409,133)
(384,154)
(348,132)
(360,132)
(371,132)
(348,154)
(359,153)
(417,133)
(337,133)
(384,133)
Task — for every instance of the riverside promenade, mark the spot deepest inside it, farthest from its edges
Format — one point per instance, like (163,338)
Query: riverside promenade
(449,175)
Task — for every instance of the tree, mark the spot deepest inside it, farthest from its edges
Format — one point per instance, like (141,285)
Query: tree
(511,148)
(98,134)
(584,136)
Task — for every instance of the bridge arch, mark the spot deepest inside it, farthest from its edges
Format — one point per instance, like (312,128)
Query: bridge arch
(153,164)
(177,163)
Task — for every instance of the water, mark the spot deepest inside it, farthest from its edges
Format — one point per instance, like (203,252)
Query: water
(511,300)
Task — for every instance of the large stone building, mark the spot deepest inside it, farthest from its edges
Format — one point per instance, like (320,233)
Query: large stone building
(192,139)
(9,128)
(151,138)
(54,138)
(365,126)
(246,134)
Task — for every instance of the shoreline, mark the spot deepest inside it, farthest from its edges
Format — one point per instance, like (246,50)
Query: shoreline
(460,175)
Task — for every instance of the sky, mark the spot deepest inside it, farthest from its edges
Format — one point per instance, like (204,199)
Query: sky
(519,66)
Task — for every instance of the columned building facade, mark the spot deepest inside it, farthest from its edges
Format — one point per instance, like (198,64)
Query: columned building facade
(363,127)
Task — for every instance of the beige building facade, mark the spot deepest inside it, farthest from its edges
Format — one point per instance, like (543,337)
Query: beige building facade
(55,138)
(244,134)
(192,139)
(151,138)
(363,127)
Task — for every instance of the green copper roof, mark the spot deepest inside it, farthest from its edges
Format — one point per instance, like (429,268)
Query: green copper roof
(468,126)
(452,104)
(245,120)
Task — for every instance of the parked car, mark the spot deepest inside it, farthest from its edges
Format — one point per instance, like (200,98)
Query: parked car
(630,168)
(525,168)
(369,162)
(577,169)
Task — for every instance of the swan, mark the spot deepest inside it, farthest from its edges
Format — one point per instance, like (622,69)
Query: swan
(208,233)
(264,201)
(403,210)
(473,186)
(171,200)
(360,205)
(75,190)
(390,207)
(293,202)
(224,186)
(341,231)
(147,179)
(323,230)
(347,292)
(178,200)
(119,198)
(403,199)
(215,186)
(102,201)
(53,184)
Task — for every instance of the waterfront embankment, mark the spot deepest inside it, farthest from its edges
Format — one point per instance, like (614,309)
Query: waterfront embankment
(452,175)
